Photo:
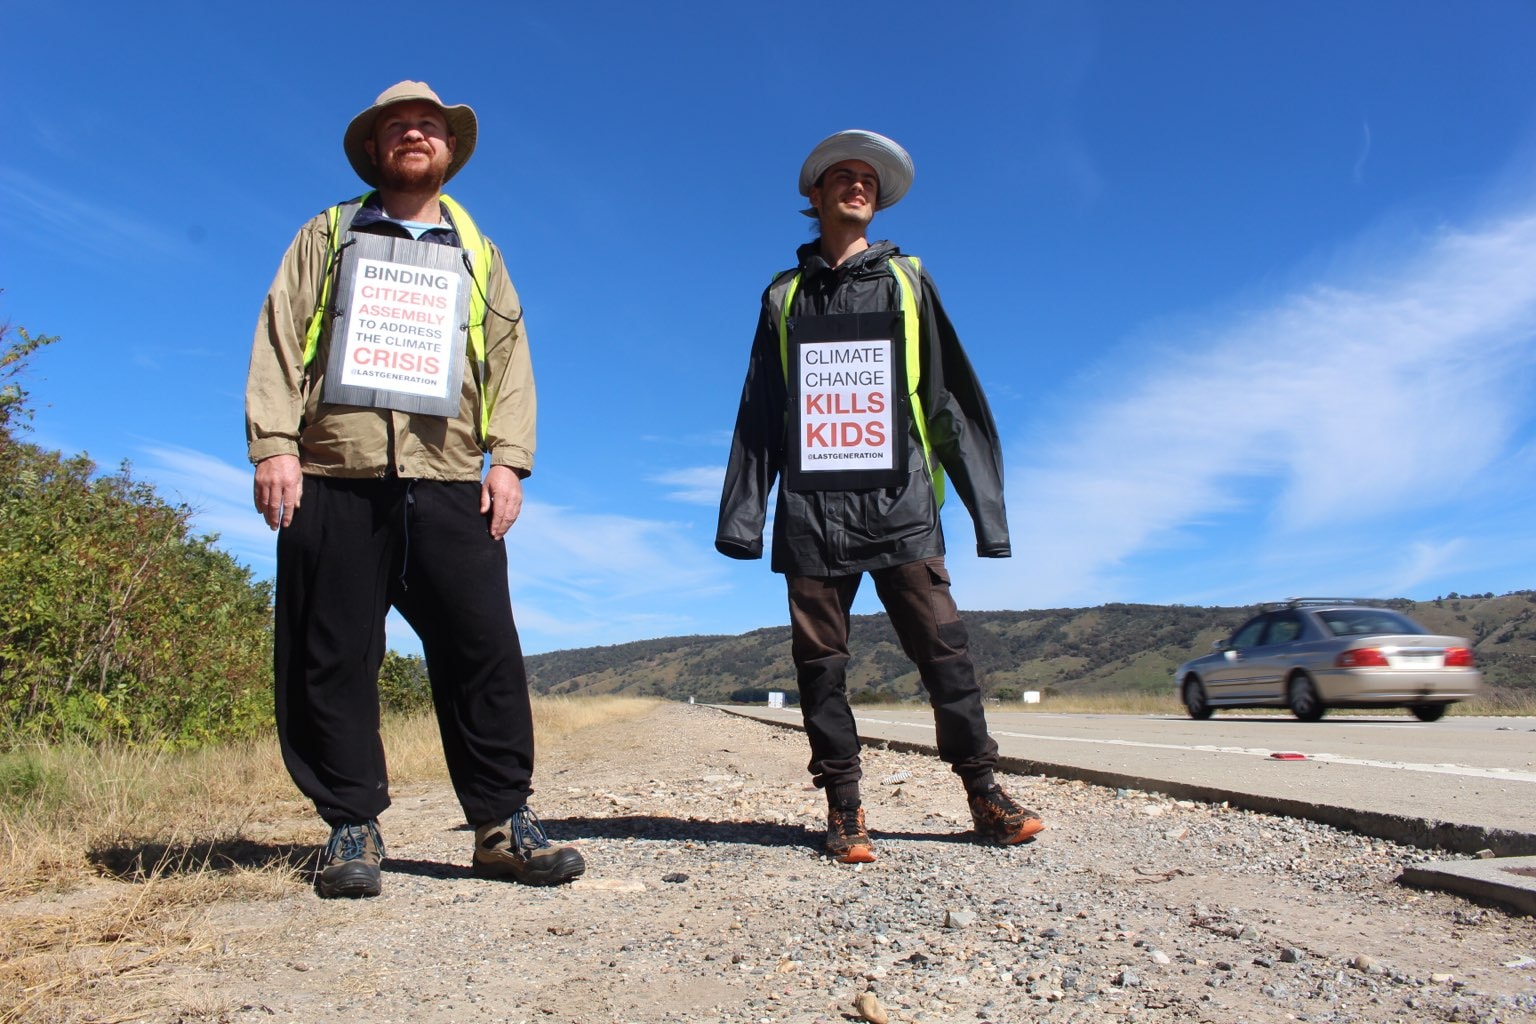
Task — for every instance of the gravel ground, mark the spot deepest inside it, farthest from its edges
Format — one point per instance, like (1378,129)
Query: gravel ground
(705,899)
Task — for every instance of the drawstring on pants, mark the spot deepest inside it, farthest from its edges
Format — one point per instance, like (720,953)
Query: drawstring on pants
(406,508)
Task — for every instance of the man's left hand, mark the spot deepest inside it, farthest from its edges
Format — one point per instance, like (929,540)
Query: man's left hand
(502,497)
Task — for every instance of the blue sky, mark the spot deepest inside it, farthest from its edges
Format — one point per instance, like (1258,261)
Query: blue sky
(1252,287)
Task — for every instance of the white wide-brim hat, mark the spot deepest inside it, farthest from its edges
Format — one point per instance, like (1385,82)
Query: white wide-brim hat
(461,123)
(891,163)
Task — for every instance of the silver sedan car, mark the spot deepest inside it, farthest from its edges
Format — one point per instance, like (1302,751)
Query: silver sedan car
(1312,654)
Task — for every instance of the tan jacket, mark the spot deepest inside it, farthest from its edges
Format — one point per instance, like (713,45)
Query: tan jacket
(284,414)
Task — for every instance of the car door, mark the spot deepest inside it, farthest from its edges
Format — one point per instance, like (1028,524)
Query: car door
(1270,662)
(1230,677)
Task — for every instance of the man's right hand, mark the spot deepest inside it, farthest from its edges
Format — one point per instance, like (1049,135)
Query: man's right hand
(279,486)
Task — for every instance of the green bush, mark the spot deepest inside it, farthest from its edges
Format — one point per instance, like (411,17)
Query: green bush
(27,779)
(116,623)
(403,684)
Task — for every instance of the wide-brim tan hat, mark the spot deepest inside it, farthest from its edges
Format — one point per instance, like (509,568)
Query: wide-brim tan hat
(461,122)
(891,163)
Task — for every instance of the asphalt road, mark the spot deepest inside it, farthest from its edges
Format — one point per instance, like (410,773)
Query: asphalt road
(1460,784)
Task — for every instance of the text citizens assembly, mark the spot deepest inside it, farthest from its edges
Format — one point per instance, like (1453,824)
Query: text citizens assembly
(402,332)
(848,422)
(408,324)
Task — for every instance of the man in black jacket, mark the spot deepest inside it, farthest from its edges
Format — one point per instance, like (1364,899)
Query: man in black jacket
(859,434)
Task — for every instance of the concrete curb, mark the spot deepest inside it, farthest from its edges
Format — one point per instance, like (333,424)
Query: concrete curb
(1507,879)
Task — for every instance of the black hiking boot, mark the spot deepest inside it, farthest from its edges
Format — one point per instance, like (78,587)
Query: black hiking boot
(351,861)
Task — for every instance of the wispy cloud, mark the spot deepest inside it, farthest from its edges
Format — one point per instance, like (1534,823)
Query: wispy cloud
(1318,418)
(1419,561)
(588,578)
(577,578)
(1065,166)
(219,495)
(1363,153)
(84,227)
(697,485)
(1271,453)
(555,546)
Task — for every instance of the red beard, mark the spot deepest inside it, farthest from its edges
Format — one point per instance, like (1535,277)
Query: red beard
(414,178)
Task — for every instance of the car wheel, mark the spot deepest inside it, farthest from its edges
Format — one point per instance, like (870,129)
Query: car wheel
(1194,700)
(1304,702)
(1429,712)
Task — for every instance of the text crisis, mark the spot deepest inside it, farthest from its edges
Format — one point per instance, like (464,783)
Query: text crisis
(408,362)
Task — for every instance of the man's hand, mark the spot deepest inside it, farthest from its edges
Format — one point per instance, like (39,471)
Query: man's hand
(279,486)
(502,496)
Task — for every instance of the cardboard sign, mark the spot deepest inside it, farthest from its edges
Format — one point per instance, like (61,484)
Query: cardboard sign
(399,336)
(847,388)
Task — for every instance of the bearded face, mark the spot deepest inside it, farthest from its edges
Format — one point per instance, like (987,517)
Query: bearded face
(412,147)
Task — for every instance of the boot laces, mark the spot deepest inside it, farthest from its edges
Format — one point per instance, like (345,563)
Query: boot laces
(350,842)
(527,833)
(847,825)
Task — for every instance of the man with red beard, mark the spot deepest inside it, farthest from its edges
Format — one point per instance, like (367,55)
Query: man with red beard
(380,505)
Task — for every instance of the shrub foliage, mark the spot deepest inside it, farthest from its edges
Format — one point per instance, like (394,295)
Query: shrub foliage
(403,684)
(116,622)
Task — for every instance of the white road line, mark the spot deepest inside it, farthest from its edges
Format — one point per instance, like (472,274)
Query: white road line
(1503,774)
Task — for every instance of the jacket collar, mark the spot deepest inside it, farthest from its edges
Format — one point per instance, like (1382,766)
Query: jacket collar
(811,261)
(371,218)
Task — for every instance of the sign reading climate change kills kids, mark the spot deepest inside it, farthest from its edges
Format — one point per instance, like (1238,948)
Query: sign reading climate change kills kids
(399,340)
(847,389)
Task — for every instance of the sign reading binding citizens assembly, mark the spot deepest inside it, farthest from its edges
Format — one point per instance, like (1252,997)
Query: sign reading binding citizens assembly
(848,395)
(399,339)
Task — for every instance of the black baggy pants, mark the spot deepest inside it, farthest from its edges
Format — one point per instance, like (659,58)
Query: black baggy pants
(355,549)
(917,600)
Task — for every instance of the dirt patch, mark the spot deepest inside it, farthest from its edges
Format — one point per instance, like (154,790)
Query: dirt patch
(706,900)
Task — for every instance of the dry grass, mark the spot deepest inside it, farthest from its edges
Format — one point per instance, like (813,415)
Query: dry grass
(110,857)
(1500,702)
(416,753)
(1130,703)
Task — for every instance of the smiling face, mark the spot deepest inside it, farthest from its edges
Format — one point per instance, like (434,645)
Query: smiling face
(846,193)
(411,146)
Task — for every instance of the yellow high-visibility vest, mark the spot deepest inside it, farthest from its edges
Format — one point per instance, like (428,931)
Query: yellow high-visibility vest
(477,257)
(906,270)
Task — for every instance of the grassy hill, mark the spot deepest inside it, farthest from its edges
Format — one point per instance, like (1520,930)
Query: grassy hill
(1111,648)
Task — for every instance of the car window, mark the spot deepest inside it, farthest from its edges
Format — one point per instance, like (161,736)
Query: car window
(1367,622)
(1284,627)
(1247,634)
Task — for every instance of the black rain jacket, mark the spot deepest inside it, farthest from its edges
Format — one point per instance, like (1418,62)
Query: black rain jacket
(837,533)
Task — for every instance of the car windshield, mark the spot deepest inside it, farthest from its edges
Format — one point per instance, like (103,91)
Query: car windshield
(1367,622)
